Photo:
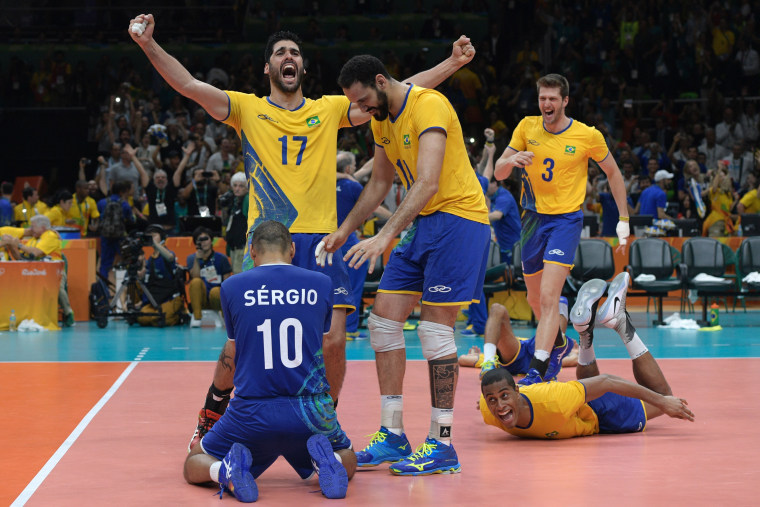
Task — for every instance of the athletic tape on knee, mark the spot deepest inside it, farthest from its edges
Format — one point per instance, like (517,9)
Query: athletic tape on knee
(437,340)
(385,334)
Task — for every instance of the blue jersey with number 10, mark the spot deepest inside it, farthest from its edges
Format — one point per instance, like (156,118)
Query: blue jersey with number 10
(277,315)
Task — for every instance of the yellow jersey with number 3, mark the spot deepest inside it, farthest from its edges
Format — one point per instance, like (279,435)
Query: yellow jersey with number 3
(289,158)
(555,182)
(459,192)
(558,410)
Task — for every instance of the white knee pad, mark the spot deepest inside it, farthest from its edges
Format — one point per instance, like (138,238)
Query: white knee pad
(437,340)
(385,334)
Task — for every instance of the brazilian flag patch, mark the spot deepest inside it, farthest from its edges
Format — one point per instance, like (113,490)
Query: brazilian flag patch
(569,150)
(312,121)
(406,140)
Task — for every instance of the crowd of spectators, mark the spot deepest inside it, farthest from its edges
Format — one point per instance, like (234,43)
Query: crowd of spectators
(671,86)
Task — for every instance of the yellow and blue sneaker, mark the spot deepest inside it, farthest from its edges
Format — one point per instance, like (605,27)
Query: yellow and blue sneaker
(235,474)
(333,479)
(409,326)
(530,378)
(356,335)
(489,365)
(431,457)
(384,447)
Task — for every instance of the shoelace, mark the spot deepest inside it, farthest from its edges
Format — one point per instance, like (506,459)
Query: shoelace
(376,437)
(423,450)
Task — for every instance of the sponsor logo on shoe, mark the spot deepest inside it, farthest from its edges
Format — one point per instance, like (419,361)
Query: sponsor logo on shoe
(439,288)
(227,471)
(421,466)
(556,251)
(403,447)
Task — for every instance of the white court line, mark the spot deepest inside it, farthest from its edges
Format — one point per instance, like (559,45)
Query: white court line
(66,445)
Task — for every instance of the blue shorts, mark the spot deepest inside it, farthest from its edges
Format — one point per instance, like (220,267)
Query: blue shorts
(304,258)
(273,427)
(442,258)
(619,414)
(520,364)
(549,238)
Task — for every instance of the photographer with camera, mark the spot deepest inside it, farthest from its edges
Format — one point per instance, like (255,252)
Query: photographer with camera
(235,204)
(208,269)
(159,273)
(115,213)
(201,192)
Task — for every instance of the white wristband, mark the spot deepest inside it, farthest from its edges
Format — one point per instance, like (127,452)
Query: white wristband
(623,230)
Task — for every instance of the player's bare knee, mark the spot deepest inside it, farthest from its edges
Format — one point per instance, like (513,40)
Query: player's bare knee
(499,311)
(437,340)
(385,335)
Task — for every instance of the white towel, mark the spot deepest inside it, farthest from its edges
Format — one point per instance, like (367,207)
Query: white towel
(676,322)
(30,325)
(704,277)
(753,277)
(643,277)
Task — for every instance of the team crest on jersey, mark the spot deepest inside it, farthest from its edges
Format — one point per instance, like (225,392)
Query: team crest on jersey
(407,142)
(569,150)
(312,121)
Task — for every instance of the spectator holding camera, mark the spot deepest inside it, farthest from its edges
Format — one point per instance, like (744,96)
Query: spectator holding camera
(208,269)
(237,221)
(201,192)
(115,213)
(159,271)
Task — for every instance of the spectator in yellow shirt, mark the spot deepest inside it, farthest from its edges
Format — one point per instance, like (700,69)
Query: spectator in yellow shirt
(44,243)
(29,207)
(84,210)
(57,214)
(750,202)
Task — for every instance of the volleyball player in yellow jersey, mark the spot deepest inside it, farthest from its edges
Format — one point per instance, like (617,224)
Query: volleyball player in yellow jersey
(553,151)
(594,403)
(441,259)
(286,139)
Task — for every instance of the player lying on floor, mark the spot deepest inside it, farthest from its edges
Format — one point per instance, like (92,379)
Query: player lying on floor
(503,348)
(594,403)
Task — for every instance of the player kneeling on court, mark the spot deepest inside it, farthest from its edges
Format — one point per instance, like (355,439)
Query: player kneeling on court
(276,316)
(594,403)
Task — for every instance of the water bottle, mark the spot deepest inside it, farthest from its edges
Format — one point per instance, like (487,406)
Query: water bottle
(714,320)
(12,321)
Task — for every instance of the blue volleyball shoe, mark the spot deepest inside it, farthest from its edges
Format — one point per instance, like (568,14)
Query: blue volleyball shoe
(384,447)
(333,479)
(489,365)
(432,457)
(530,378)
(555,358)
(235,474)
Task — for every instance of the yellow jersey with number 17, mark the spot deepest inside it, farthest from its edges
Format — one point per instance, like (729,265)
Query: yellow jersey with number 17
(459,192)
(289,158)
(555,182)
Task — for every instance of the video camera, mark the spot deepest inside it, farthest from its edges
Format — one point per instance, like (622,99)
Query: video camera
(132,248)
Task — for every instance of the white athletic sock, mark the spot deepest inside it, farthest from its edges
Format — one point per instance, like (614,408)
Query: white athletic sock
(214,471)
(635,346)
(441,420)
(586,356)
(391,413)
(541,355)
(489,351)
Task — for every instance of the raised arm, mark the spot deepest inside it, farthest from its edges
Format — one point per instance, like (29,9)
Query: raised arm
(213,100)
(462,52)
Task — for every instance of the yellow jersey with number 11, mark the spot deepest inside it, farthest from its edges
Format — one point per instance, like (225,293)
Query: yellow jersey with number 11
(459,191)
(555,183)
